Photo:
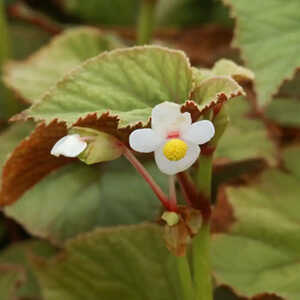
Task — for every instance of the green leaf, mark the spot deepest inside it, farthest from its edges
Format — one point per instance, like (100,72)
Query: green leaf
(8,106)
(17,280)
(35,76)
(291,160)
(11,137)
(26,38)
(126,83)
(183,12)
(227,67)
(125,262)
(269,37)
(78,198)
(290,88)
(265,232)
(224,67)
(117,12)
(168,13)
(285,112)
(245,138)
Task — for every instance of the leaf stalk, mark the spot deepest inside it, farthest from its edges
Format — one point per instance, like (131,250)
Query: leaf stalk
(146,22)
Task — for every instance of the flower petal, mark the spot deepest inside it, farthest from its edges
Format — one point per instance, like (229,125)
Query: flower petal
(200,132)
(167,117)
(144,140)
(69,146)
(173,167)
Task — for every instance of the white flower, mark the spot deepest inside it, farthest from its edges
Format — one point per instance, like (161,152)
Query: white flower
(70,146)
(173,138)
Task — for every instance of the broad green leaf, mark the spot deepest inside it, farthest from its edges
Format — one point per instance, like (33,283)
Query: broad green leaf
(17,280)
(245,138)
(130,263)
(268,34)
(78,198)
(291,160)
(45,68)
(285,112)
(11,137)
(266,234)
(126,83)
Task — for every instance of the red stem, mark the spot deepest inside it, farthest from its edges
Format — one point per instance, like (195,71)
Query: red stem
(184,193)
(192,196)
(145,174)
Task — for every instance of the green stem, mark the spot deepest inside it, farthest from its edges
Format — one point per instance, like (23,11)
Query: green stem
(202,269)
(204,175)
(4,40)
(202,265)
(146,22)
(185,278)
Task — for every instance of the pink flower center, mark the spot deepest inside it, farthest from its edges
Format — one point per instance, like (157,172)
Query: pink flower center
(173,135)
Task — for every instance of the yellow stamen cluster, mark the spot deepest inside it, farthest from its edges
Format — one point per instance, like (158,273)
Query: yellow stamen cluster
(175,149)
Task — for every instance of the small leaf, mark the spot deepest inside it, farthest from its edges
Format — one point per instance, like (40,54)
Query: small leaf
(224,67)
(263,33)
(78,198)
(265,231)
(285,112)
(179,235)
(215,90)
(101,146)
(131,262)
(33,77)
(126,83)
